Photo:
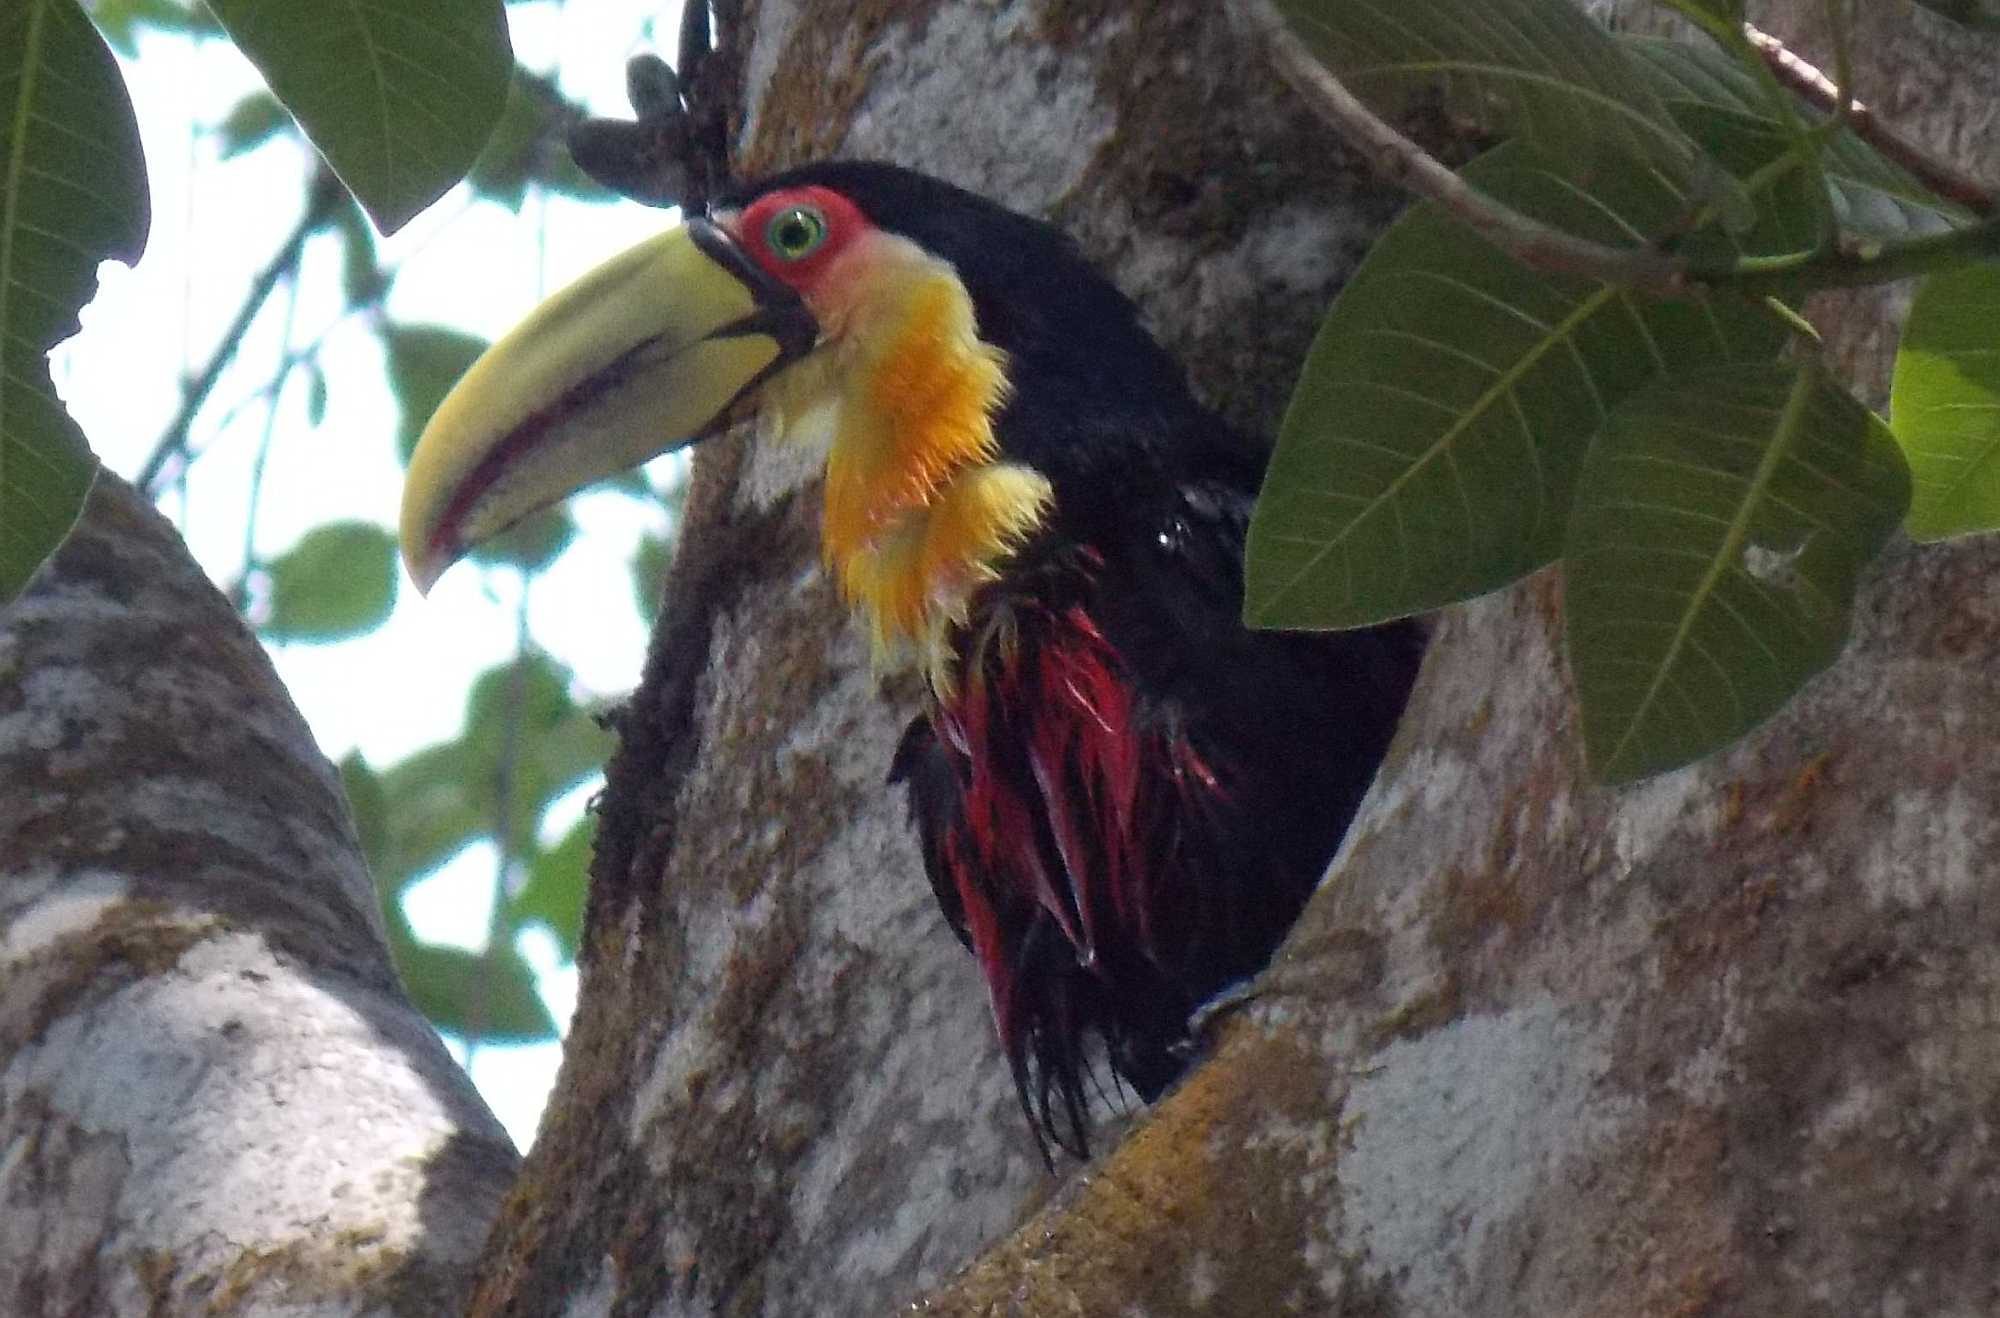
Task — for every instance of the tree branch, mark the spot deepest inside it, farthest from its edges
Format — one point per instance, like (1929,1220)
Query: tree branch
(1806,80)
(1542,247)
(217,1097)
(1403,162)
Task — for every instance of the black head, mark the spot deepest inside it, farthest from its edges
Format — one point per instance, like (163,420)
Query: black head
(1090,387)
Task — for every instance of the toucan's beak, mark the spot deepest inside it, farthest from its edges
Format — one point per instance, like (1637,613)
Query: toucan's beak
(649,352)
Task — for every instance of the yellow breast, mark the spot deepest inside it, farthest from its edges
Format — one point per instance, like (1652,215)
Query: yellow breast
(919,509)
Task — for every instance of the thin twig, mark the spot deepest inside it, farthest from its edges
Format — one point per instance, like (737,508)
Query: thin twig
(1799,75)
(279,375)
(506,778)
(173,441)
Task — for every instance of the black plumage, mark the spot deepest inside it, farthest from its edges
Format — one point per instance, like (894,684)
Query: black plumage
(1128,796)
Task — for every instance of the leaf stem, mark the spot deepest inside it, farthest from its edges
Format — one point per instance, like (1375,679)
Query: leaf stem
(1806,145)
(1854,265)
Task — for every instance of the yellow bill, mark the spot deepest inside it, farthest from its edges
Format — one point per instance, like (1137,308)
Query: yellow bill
(647,353)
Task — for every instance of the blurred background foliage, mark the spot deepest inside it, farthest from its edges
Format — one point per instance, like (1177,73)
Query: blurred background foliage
(296,364)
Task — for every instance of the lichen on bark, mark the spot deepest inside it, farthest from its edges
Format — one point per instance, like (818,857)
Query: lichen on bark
(213,1095)
(1536,1046)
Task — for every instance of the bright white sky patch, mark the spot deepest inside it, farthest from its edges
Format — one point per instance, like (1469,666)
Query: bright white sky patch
(464,263)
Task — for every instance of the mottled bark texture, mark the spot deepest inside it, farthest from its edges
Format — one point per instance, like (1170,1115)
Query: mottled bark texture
(213,1096)
(1722,1043)
(782,1095)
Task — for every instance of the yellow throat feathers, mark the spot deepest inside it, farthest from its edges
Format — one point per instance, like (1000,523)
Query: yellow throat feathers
(919,509)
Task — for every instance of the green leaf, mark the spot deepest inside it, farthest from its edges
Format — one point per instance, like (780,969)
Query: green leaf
(649,575)
(1536,69)
(250,123)
(1721,522)
(436,801)
(1432,443)
(527,146)
(1727,11)
(1720,104)
(370,808)
(315,394)
(1945,403)
(557,882)
(556,743)
(425,361)
(445,796)
(398,95)
(504,165)
(362,278)
(72,194)
(338,581)
(489,996)
(121,21)
(532,543)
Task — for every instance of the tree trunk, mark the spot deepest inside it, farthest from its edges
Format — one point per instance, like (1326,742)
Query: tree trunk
(213,1095)
(1720,1043)
(783,1091)
(1717,1043)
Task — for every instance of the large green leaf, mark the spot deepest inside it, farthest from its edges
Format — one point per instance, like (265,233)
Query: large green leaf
(1721,522)
(338,581)
(72,194)
(1434,436)
(1945,403)
(1722,106)
(398,95)
(1537,69)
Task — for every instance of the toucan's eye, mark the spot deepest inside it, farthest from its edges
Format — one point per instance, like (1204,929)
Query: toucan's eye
(795,232)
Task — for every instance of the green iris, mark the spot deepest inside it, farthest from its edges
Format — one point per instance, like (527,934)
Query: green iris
(795,232)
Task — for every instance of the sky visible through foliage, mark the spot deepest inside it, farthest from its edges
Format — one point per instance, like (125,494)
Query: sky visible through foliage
(224,197)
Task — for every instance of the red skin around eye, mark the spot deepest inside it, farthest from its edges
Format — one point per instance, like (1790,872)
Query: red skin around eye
(844,223)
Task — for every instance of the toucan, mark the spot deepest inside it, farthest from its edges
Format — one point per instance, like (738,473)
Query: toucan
(1122,795)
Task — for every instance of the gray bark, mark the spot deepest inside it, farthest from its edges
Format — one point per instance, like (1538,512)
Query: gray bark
(783,1088)
(1720,1043)
(1715,1044)
(213,1096)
